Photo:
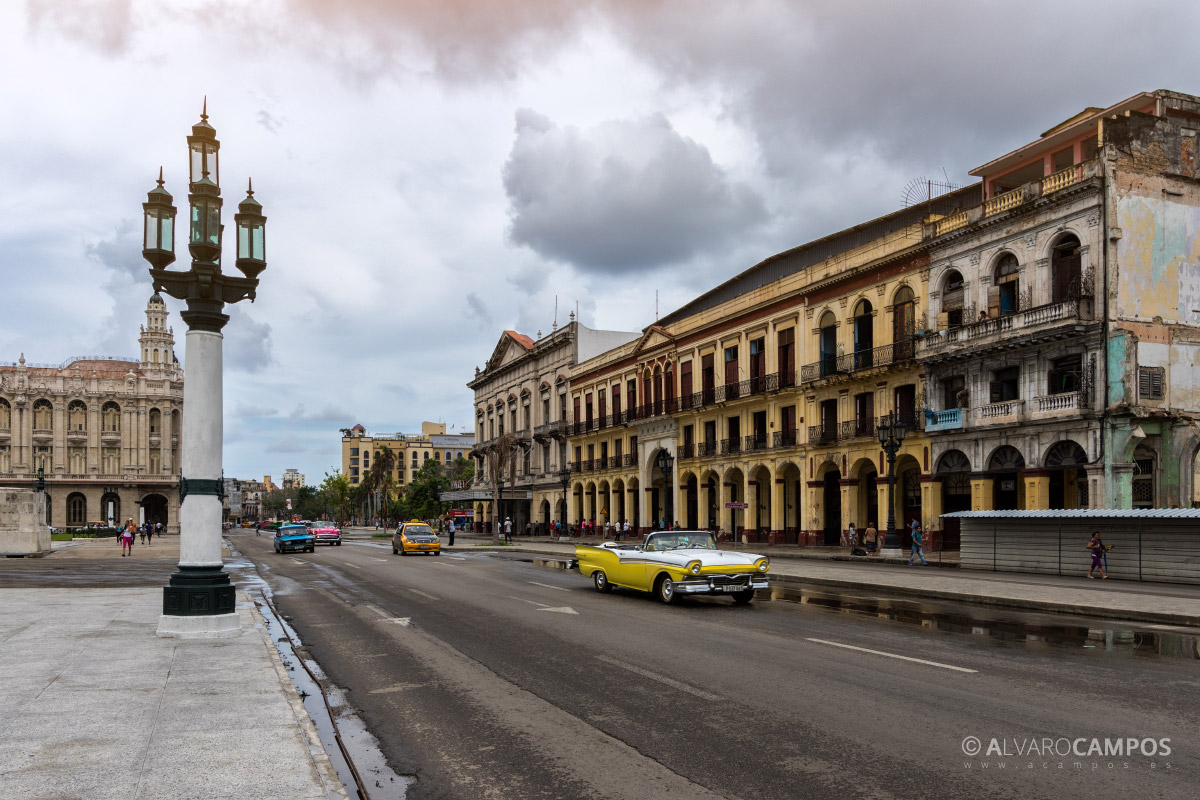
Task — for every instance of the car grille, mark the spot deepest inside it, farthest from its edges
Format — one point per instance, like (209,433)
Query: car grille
(730,580)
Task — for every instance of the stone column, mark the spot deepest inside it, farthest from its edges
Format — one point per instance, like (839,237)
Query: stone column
(981,491)
(881,487)
(702,501)
(931,509)
(779,510)
(813,526)
(849,492)
(726,514)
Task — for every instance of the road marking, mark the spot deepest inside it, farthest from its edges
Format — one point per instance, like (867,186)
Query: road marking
(382,560)
(423,594)
(891,655)
(654,676)
(348,564)
(548,586)
(376,609)
(401,621)
(299,560)
(525,600)
(563,610)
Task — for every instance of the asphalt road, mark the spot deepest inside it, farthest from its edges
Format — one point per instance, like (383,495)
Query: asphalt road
(491,678)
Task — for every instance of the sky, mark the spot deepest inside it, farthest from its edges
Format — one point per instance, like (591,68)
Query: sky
(437,171)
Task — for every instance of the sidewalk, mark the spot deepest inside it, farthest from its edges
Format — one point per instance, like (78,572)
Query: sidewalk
(95,705)
(1160,603)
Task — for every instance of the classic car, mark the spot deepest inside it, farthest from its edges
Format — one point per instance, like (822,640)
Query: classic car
(326,533)
(672,563)
(293,536)
(415,537)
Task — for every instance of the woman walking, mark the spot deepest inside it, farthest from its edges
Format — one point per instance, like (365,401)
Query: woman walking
(1098,550)
(127,539)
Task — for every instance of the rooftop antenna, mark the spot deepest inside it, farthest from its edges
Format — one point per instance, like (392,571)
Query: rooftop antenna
(922,190)
(555,324)
(656,305)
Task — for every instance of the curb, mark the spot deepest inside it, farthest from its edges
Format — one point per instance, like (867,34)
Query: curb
(316,751)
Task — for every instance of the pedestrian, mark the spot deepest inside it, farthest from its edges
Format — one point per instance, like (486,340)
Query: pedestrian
(450,530)
(852,536)
(677,526)
(149,532)
(508,530)
(159,527)
(628,529)
(871,538)
(1097,549)
(606,529)
(127,539)
(141,531)
(917,539)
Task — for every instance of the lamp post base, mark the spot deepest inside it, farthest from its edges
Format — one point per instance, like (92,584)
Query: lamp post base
(217,626)
(200,602)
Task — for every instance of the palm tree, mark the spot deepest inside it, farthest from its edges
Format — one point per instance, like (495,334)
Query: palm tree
(503,453)
(380,475)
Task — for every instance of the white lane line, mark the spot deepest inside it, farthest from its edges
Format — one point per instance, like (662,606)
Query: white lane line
(890,655)
(423,594)
(531,602)
(654,676)
(299,561)
(548,586)
(381,560)
(376,609)
(348,564)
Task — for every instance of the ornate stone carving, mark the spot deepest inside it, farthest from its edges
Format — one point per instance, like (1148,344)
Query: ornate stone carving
(974,259)
(1031,240)
(1093,219)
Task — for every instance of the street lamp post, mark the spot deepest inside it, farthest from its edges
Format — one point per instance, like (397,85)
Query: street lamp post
(891,435)
(564,476)
(199,600)
(664,461)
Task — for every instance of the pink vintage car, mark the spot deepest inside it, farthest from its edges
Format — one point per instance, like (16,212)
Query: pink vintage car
(326,533)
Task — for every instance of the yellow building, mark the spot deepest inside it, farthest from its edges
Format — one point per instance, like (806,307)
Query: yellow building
(411,450)
(765,392)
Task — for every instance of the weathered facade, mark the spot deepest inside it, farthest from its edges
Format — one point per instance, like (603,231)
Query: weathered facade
(411,450)
(104,430)
(1036,333)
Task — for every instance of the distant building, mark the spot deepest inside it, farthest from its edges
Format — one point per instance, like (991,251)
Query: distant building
(411,450)
(292,479)
(104,429)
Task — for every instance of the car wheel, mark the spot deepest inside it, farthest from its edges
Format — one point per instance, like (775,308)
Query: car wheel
(601,581)
(394,550)
(665,588)
(437,552)
(742,598)
(312,548)
(339,544)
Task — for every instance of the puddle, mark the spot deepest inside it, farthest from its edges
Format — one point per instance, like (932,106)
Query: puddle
(380,782)
(1005,628)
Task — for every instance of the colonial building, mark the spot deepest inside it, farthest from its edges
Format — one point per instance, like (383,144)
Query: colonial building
(523,389)
(292,479)
(104,430)
(411,450)
(1036,333)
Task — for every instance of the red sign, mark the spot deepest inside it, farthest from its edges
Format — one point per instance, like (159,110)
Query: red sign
(456,512)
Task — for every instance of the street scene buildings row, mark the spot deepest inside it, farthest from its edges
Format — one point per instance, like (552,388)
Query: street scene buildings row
(103,430)
(1034,337)
(410,450)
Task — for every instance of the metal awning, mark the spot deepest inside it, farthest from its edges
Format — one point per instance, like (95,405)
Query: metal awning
(483,495)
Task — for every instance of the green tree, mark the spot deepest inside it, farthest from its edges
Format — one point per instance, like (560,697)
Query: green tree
(273,503)
(421,495)
(336,488)
(380,478)
(309,503)
(462,469)
(502,457)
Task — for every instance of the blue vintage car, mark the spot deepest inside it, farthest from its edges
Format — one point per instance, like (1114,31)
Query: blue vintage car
(294,536)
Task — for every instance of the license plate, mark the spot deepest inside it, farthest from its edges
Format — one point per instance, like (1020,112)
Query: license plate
(732,588)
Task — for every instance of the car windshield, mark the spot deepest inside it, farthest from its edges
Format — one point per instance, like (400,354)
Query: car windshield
(292,530)
(418,530)
(692,540)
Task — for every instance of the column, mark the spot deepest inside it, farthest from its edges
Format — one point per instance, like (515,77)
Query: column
(200,599)
(725,512)
(931,510)
(981,491)
(702,501)
(1037,488)
(849,496)
(778,511)
(813,525)
(881,486)
(648,520)
(59,443)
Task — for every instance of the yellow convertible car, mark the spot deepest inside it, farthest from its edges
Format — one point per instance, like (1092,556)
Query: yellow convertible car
(672,563)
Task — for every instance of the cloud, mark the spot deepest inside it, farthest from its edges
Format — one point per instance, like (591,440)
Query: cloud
(248,345)
(247,411)
(102,25)
(288,444)
(268,121)
(478,309)
(620,197)
(126,281)
(329,413)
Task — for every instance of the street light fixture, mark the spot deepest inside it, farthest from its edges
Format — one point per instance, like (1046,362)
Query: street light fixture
(665,461)
(891,435)
(564,476)
(199,601)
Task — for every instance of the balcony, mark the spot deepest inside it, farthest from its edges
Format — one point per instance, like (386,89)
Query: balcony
(823,434)
(614,462)
(707,448)
(856,428)
(756,442)
(783,439)
(1065,404)
(1032,323)
(858,361)
(42,435)
(731,445)
(630,459)
(1005,412)
(550,430)
(586,465)
(79,436)
(951,420)
(687,450)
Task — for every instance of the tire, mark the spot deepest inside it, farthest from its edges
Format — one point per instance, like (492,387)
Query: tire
(312,548)
(743,598)
(665,589)
(394,550)
(437,553)
(338,543)
(600,581)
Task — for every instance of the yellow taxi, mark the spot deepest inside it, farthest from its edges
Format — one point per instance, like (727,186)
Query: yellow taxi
(415,537)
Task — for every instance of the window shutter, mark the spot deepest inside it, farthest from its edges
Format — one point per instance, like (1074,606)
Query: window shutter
(993,300)
(1144,383)
(995,391)
(1156,384)
(943,321)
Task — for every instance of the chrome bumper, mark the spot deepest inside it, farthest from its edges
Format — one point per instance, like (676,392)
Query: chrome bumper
(721,584)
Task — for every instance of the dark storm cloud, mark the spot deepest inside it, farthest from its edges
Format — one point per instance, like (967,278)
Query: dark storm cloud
(623,196)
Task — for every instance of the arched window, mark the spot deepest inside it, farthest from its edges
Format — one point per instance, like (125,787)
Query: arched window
(76,509)
(1004,294)
(827,343)
(953,301)
(110,418)
(1145,461)
(43,416)
(155,418)
(904,323)
(5,415)
(864,334)
(1066,270)
(77,416)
